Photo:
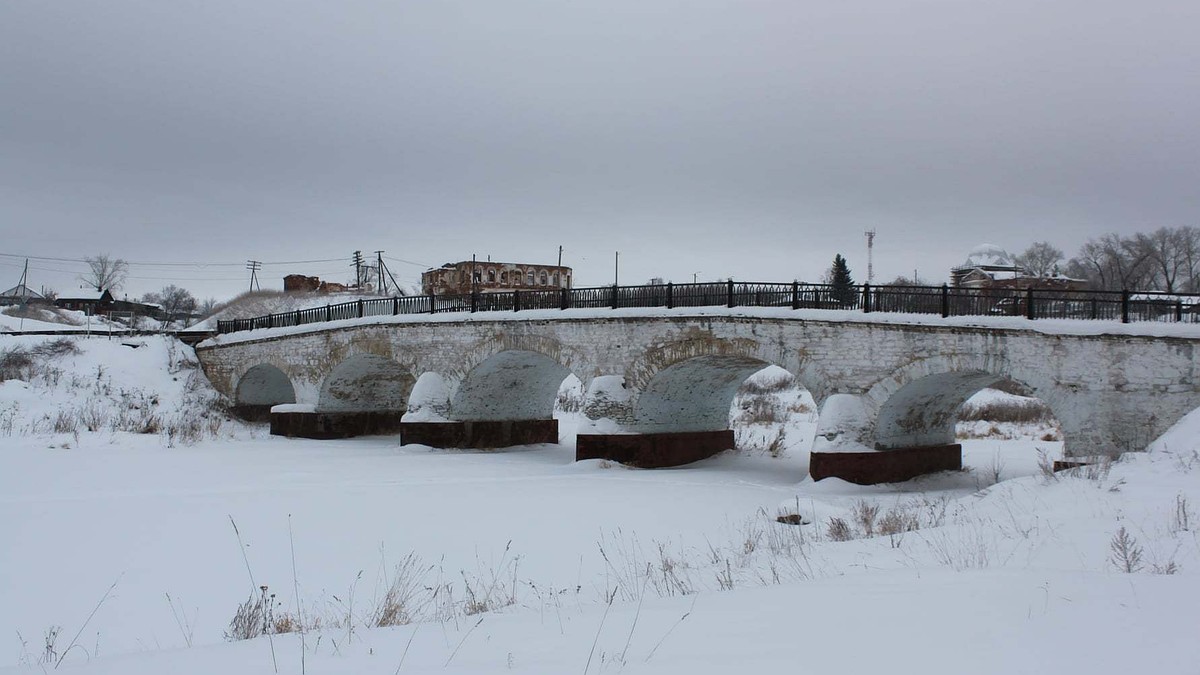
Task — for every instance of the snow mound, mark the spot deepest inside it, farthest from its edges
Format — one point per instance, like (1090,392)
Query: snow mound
(68,385)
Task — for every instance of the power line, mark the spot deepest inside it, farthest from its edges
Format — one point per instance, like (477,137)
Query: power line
(407,262)
(170,264)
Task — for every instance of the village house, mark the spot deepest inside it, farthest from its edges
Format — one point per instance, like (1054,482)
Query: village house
(19,295)
(989,267)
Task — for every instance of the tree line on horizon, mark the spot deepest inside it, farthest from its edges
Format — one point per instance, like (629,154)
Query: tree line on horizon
(1166,259)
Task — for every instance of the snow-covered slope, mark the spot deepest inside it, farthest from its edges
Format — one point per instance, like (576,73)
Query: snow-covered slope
(124,555)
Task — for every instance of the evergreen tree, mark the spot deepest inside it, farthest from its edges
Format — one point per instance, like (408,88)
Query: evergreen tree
(843,291)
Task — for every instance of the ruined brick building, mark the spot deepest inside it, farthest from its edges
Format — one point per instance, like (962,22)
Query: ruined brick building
(493,277)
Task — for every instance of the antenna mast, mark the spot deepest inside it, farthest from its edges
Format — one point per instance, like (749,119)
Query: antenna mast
(870,234)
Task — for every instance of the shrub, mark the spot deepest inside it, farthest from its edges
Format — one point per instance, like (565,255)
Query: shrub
(839,530)
(16,364)
(1124,552)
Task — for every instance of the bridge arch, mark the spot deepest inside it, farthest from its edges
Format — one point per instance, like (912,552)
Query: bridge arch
(518,337)
(511,384)
(646,367)
(918,404)
(260,387)
(694,394)
(366,383)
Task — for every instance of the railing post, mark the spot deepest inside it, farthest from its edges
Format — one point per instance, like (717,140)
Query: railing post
(729,293)
(795,295)
(1124,306)
(270,321)
(474,301)
(360,309)
(1030,312)
(945,301)
(867,298)
(516,301)
(432,304)
(297,317)
(670,295)
(1178,310)
(328,313)
(395,306)
(564,298)
(615,296)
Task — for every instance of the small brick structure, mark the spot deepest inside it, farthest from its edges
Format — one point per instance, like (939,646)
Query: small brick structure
(479,433)
(322,425)
(653,451)
(885,466)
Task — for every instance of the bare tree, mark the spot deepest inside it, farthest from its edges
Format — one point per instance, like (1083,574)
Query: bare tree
(105,272)
(1112,263)
(207,307)
(176,302)
(1171,255)
(1040,259)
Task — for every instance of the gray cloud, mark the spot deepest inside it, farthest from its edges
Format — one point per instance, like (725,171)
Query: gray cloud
(753,139)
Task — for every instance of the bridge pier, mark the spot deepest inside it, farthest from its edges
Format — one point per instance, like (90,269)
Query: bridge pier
(653,451)
(295,421)
(845,447)
(479,433)
(885,466)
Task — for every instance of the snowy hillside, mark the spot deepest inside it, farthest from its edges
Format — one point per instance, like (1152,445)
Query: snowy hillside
(44,318)
(262,303)
(145,553)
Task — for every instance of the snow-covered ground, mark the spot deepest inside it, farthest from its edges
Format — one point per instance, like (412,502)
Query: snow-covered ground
(37,318)
(131,552)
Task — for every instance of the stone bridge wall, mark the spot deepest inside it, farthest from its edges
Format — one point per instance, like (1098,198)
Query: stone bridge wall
(1110,392)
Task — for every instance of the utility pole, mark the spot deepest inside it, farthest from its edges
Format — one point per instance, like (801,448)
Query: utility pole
(358,261)
(560,256)
(383,267)
(22,284)
(617,269)
(870,234)
(381,288)
(254,266)
(472,274)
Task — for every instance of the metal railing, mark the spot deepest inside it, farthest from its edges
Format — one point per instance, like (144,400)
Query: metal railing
(943,300)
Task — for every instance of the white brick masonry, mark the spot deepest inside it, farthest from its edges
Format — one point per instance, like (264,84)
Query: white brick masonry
(1110,392)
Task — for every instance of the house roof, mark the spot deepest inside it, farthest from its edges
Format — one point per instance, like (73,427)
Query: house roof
(988,255)
(87,294)
(21,291)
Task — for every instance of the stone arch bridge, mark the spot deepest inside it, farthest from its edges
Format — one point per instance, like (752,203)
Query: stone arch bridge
(888,392)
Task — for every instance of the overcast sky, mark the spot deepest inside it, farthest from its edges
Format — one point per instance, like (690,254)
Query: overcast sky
(752,139)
